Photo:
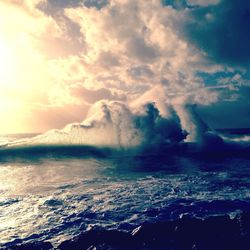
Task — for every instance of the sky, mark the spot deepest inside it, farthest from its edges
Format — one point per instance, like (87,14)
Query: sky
(58,58)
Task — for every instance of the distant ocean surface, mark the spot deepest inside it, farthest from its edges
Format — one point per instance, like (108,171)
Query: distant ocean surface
(54,193)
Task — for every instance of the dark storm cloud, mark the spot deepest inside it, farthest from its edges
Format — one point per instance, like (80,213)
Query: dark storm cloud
(140,72)
(92,96)
(177,4)
(53,6)
(222,31)
(137,48)
(95,3)
(50,6)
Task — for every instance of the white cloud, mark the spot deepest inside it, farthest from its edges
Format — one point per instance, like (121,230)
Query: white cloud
(138,43)
(129,49)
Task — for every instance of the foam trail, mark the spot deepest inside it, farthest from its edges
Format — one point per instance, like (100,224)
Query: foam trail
(239,139)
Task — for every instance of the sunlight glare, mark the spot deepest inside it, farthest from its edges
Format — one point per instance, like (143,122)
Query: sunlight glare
(6,61)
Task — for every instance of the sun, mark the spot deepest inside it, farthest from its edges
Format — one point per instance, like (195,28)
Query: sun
(6,64)
(18,69)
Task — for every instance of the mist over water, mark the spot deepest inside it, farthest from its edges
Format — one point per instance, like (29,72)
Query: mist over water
(116,128)
(116,125)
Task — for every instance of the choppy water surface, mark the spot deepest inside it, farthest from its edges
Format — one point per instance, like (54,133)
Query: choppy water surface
(55,197)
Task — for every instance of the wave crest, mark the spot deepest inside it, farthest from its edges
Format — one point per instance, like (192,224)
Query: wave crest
(114,125)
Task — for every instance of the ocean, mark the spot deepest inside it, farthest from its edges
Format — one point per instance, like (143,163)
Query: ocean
(52,193)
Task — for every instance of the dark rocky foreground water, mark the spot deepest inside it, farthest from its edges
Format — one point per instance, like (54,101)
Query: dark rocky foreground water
(214,232)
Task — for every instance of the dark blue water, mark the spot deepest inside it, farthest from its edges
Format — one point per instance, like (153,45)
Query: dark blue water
(53,193)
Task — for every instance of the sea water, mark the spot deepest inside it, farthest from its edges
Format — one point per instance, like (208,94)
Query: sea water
(54,193)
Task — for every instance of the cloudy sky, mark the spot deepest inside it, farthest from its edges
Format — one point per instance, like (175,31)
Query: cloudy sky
(58,57)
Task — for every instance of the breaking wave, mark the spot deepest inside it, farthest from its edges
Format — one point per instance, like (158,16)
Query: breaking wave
(113,126)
